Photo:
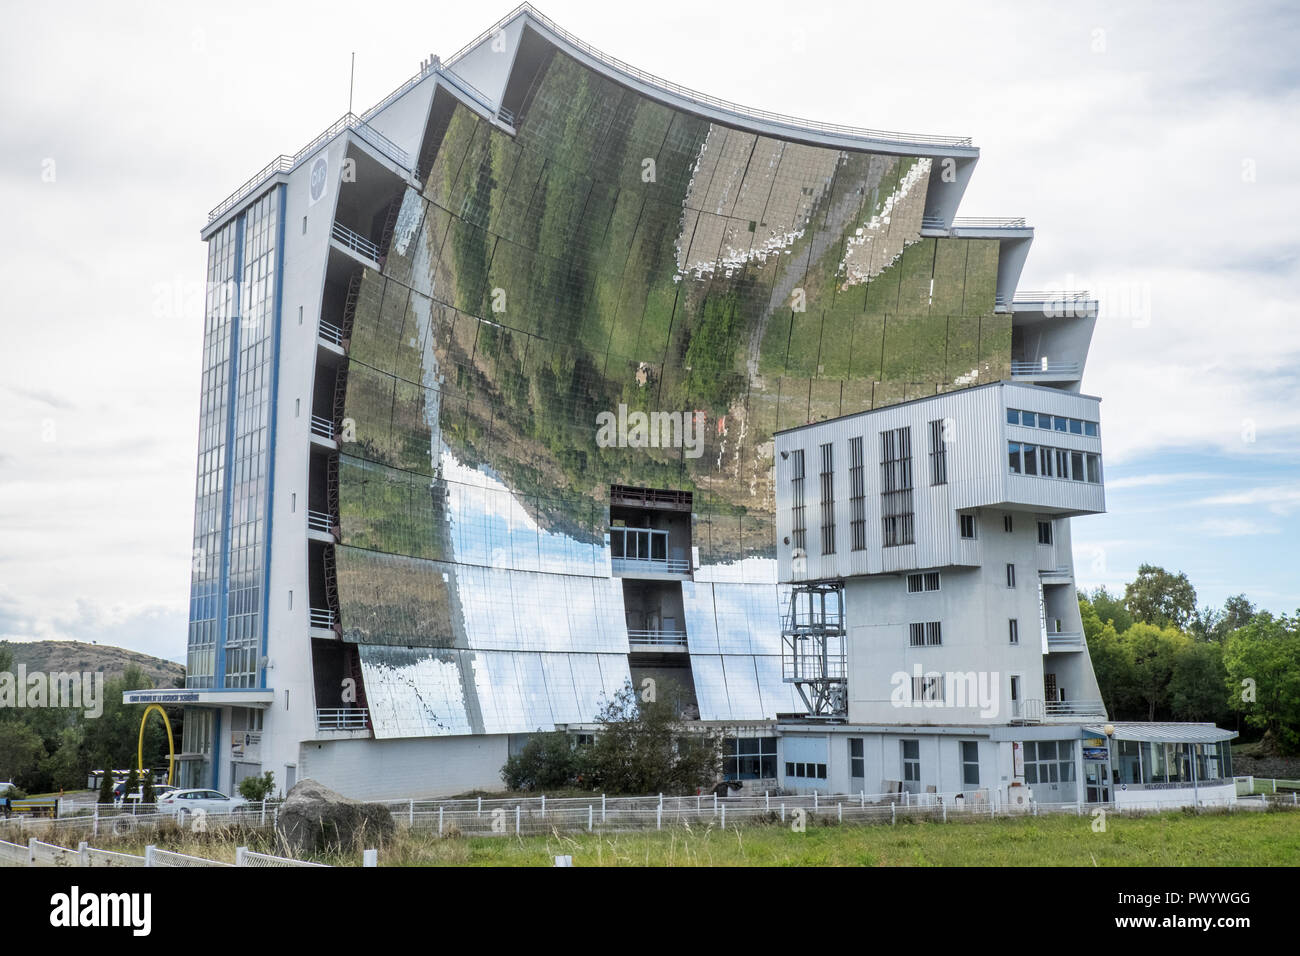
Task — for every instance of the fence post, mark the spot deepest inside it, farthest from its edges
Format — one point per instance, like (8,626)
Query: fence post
(724,816)
(241,856)
(410,814)
(893,809)
(944,805)
(94,826)
(862,799)
(83,851)
(715,803)
(544,805)
(767,800)
(369,857)
(440,820)
(262,822)
(697,802)
(783,813)
(148,856)
(518,816)
(814,801)
(839,811)
(661,800)
(602,808)
(591,812)
(31,851)
(659,818)
(275,816)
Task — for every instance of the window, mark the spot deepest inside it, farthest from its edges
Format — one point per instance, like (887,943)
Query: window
(1013,630)
(1076,465)
(1045,461)
(970,763)
(896,486)
(1049,761)
(1011,575)
(1076,427)
(1090,429)
(1045,422)
(857,759)
(1013,416)
(857,496)
(797,533)
(929,687)
(1044,532)
(1061,424)
(1013,456)
(967,526)
(922,581)
(1094,469)
(749,758)
(926,634)
(809,771)
(1062,463)
(1006,523)
(1028,419)
(828,498)
(1030,453)
(911,750)
(938,454)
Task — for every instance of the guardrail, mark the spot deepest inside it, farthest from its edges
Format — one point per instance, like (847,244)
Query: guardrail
(988,222)
(656,637)
(1045,367)
(322,426)
(40,853)
(322,617)
(342,718)
(1075,708)
(320,521)
(285,163)
(654,565)
(353,240)
(1065,639)
(331,333)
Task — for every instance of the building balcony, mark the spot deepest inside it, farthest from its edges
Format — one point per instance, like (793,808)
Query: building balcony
(358,245)
(650,567)
(342,718)
(1065,641)
(657,639)
(1071,710)
(1043,371)
(331,336)
(323,432)
(321,526)
(323,623)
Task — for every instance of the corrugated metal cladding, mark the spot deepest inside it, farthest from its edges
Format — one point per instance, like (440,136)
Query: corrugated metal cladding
(974,463)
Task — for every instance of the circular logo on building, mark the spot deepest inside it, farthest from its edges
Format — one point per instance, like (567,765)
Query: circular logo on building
(318,171)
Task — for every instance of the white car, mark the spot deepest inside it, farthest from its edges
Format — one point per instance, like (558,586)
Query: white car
(183,803)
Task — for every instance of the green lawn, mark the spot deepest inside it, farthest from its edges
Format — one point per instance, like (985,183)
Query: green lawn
(1175,839)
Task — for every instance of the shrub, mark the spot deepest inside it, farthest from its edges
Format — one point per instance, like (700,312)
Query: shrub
(257,789)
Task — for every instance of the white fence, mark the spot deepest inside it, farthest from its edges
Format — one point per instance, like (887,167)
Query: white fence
(39,853)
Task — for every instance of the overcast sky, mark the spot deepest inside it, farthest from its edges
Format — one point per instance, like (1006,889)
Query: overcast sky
(1154,150)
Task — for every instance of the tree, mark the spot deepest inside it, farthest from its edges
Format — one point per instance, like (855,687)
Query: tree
(257,789)
(21,751)
(132,784)
(1153,651)
(106,785)
(1237,613)
(65,765)
(1195,684)
(1160,598)
(1262,660)
(1111,608)
(149,796)
(547,762)
(642,748)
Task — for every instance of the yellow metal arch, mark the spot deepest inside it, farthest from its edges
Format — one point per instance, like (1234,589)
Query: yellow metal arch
(171,742)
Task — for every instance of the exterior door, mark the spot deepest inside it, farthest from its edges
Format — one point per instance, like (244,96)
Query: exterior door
(1097,786)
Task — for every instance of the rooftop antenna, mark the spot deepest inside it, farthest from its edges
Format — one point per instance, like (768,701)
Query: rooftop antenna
(351,77)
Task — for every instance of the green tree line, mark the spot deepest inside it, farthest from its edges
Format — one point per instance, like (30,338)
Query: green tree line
(1160,656)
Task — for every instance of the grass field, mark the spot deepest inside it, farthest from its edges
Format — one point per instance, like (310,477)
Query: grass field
(1170,839)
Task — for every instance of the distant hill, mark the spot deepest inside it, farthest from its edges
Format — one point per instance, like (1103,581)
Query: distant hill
(54,656)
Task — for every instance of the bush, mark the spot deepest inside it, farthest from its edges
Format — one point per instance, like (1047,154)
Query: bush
(547,762)
(106,787)
(257,789)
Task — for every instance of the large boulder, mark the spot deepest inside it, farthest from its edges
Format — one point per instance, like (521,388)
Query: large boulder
(315,819)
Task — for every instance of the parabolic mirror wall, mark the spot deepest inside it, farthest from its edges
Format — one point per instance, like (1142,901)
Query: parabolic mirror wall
(615,252)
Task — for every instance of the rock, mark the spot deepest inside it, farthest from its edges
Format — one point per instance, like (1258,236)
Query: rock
(314,819)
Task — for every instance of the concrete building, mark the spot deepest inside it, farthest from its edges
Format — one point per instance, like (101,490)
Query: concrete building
(492,382)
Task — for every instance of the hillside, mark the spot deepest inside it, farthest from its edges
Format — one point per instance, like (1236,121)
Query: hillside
(55,656)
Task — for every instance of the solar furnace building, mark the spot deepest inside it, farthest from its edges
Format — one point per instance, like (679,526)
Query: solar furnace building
(491,379)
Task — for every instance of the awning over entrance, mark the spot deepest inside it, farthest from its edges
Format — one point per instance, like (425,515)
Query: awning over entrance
(213,698)
(1168,733)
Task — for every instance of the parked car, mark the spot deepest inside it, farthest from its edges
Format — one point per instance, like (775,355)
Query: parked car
(182,803)
(5,787)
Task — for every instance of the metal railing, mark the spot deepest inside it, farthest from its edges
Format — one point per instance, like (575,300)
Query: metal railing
(351,239)
(1030,709)
(695,96)
(331,333)
(1032,295)
(322,617)
(626,494)
(1044,367)
(655,565)
(285,163)
(1075,708)
(988,222)
(653,637)
(1065,639)
(320,521)
(342,718)
(322,426)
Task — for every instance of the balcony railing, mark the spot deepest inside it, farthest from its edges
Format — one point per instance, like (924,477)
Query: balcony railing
(323,427)
(1044,367)
(342,718)
(657,637)
(1030,710)
(1075,708)
(651,565)
(1065,639)
(331,333)
(320,521)
(988,222)
(322,617)
(351,239)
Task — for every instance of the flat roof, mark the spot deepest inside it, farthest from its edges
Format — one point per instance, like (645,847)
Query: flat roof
(1163,732)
